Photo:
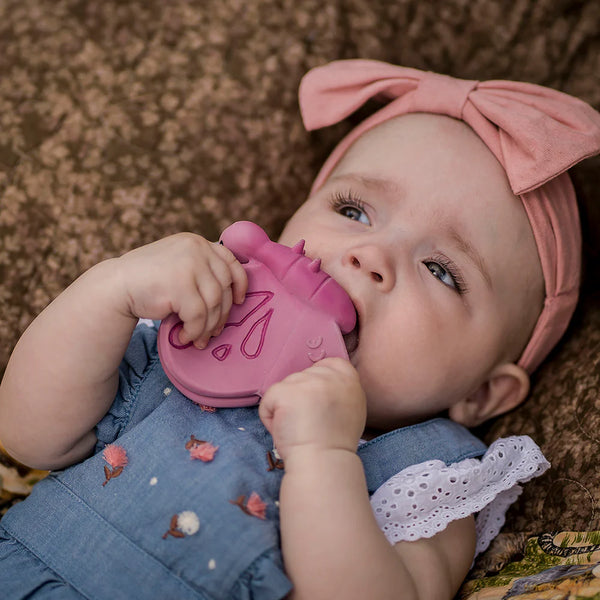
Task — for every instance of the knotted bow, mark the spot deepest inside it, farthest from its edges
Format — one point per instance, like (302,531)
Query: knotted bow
(535,132)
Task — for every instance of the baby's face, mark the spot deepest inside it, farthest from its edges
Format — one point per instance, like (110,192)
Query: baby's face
(419,226)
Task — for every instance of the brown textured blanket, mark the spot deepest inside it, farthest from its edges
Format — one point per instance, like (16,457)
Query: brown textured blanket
(124,121)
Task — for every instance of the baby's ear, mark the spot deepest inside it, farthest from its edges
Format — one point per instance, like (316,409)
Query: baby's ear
(507,387)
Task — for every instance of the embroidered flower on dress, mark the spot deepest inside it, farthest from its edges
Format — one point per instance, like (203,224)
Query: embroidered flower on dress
(275,461)
(193,441)
(255,506)
(116,457)
(185,523)
(201,449)
(188,522)
(204,452)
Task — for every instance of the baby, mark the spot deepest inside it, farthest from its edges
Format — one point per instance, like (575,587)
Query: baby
(449,220)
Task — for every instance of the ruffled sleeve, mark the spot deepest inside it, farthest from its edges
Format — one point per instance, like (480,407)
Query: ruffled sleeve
(423,499)
(125,411)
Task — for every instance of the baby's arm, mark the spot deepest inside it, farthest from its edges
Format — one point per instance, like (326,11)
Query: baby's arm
(332,545)
(63,374)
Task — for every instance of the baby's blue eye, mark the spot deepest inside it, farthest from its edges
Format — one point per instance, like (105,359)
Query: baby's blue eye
(350,206)
(438,271)
(354,213)
(448,274)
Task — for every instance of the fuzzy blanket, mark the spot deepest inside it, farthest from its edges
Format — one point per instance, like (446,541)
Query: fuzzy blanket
(124,121)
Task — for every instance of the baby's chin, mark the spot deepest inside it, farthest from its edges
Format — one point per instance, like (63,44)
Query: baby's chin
(379,423)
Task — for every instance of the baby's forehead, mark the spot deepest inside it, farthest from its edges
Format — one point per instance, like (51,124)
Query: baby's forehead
(432,155)
(433,133)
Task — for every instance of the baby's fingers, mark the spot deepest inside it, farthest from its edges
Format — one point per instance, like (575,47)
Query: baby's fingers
(193,313)
(206,314)
(216,280)
(230,272)
(334,366)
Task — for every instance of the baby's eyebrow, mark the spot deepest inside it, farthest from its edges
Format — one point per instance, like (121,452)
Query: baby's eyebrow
(377,184)
(464,246)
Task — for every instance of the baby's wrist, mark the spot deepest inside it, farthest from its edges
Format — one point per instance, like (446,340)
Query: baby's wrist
(314,456)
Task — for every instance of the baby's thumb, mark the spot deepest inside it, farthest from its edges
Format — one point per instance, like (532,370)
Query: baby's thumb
(266,410)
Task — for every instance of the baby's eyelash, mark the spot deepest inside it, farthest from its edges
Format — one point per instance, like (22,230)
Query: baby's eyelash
(459,281)
(341,200)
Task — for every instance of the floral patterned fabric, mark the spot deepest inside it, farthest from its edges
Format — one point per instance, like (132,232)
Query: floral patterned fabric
(555,566)
(122,122)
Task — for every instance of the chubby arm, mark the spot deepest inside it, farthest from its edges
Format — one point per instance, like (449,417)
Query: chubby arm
(332,545)
(63,374)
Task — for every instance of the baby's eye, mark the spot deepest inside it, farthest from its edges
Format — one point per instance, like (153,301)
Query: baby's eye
(447,274)
(438,271)
(354,213)
(351,207)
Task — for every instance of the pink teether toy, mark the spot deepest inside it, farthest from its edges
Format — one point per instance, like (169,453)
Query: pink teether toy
(294,314)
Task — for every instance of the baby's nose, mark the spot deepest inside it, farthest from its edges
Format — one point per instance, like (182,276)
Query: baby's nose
(374,264)
(377,277)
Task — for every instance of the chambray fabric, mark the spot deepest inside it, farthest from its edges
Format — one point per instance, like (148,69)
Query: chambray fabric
(79,535)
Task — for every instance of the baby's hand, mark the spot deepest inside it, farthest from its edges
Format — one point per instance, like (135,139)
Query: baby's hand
(187,275)
(323,406)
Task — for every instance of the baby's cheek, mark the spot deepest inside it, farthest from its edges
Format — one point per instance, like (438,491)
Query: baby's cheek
(398,393)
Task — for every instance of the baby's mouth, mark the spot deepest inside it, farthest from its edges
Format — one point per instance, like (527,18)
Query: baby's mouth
(351,339)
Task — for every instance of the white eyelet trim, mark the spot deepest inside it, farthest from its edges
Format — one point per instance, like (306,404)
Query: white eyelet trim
(423,499)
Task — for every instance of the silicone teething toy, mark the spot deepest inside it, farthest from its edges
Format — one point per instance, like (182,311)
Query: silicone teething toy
(294,314)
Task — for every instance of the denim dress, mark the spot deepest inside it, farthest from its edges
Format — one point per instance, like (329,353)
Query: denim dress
(169,523)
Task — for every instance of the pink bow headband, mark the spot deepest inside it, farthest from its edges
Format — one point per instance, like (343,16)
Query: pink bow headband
(536,133)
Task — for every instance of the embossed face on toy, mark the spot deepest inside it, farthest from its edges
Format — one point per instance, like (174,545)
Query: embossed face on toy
(418,224)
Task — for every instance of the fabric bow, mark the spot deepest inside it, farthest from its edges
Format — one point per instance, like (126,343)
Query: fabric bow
(535,132)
